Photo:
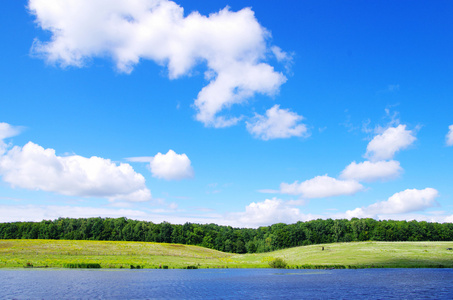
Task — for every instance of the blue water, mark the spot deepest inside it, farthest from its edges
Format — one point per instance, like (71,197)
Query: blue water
(226,284)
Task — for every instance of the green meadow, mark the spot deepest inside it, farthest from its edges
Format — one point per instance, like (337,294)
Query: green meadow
(107,254)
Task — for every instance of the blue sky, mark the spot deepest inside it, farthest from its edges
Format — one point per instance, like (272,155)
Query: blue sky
(243,113)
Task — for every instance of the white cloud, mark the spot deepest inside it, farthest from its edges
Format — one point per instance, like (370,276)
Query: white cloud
(3,147)
(33,167)
(321,187)
(280,54)
(385,145)
(372,171)
(171,166)
(449,137)
(11,213)
(277,123)
(7,131)
(283,56)
(38,213)
(232,44)
(144,159)
(265,213)
(409,200)
(299,202)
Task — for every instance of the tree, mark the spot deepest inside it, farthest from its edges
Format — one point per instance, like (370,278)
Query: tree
(165,232)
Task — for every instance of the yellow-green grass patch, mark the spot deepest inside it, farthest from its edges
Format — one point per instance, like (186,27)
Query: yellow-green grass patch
(58,253)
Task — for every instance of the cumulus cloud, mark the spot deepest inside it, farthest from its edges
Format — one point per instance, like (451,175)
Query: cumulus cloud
(277,123)
(449,137)
(385,145)
(233,45)
(406,201)
(321,187)
(265,213)
(371,171)
(35,168)
(170,166)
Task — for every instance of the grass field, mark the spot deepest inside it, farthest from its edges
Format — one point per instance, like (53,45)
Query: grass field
(58,253)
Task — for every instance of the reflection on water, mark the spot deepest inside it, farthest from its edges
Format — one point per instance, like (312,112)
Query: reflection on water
(226,284)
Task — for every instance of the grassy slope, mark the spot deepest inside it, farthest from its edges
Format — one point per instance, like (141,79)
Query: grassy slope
(56,253)
(367,254)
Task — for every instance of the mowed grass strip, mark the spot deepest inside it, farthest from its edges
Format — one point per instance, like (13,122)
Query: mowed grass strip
(58,253)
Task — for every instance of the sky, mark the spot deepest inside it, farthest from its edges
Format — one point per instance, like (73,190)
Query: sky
(242,113)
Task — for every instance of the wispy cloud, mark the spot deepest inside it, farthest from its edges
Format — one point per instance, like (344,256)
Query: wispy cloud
(449,137)
(7,131)
(393,87)
(268,191)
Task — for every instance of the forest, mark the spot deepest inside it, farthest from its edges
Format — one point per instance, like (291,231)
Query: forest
(227,238)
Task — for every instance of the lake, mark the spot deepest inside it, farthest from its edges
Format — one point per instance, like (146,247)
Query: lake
(226,284)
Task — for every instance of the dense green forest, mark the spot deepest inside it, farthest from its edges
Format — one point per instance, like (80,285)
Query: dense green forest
(227,238)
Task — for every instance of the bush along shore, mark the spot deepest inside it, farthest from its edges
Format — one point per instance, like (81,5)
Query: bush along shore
(147,255)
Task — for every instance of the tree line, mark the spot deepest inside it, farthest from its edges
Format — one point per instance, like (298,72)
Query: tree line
(227,238)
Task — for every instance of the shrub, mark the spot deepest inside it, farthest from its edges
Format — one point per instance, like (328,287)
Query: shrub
(277,263)
(82,266)
(192,267)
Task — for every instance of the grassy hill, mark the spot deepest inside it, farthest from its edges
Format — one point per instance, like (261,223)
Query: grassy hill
(58,253)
